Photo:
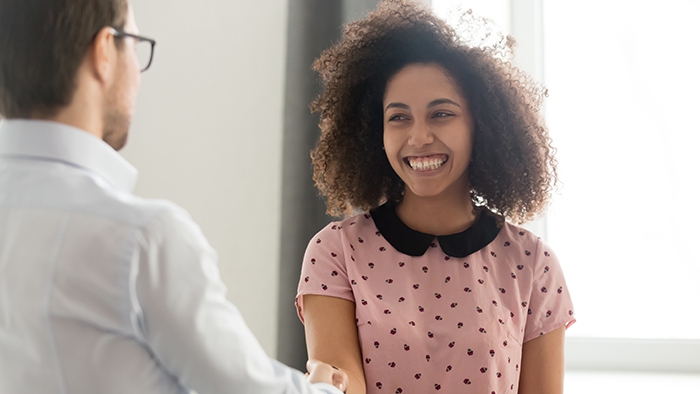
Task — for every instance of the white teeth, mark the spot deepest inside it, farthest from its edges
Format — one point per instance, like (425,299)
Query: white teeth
(424,165)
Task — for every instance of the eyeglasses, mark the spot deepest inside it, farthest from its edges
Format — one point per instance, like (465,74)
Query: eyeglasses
(144,47)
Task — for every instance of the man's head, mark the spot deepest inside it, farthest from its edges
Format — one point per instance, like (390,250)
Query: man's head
(63,56)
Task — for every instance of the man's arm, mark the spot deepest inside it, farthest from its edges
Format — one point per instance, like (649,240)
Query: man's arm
(192,330)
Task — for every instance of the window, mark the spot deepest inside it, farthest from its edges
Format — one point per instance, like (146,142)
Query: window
(622,110)
(624,95)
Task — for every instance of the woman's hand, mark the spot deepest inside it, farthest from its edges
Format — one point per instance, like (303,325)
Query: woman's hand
(331,337)
(320,372)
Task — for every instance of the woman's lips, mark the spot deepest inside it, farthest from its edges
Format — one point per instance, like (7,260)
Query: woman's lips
(426,163)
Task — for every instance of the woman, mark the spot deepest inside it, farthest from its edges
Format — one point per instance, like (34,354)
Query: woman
(439,142)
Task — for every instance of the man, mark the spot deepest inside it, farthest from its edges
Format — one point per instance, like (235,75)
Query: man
(102,291)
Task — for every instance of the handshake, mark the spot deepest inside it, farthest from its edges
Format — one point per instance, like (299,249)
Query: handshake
(320,372)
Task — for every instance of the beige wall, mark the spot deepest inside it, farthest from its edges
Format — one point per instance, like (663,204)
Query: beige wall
(208,135)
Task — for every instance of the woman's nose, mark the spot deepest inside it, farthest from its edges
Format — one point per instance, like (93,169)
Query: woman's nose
(420,135)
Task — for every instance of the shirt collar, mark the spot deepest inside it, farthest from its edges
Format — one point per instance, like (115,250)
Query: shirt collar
(44,140)
(415,243)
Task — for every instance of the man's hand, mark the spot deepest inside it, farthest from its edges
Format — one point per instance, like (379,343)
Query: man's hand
(320,372)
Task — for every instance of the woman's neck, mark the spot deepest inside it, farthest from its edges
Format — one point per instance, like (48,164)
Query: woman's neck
(439,215)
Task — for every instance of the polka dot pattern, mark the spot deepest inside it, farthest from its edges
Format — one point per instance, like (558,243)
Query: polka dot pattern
(436,323)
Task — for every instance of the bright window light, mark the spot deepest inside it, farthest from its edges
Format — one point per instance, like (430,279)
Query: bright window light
(623,86)
(623,113)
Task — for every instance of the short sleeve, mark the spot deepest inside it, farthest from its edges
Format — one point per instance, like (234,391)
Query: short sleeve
(550,305)
(324,269)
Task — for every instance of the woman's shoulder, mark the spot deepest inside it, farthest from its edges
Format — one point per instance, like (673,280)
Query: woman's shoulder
(518,235)
(523,247)
(353,225)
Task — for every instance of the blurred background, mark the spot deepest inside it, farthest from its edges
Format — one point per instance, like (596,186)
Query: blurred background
(223,128)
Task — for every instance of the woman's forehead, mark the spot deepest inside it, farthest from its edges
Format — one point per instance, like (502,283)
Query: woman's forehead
(421,84)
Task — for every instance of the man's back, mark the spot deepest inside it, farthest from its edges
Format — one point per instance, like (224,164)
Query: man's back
(101,291)
(70,316)
(104,292)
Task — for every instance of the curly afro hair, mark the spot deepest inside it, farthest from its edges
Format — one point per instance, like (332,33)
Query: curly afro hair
(513,168)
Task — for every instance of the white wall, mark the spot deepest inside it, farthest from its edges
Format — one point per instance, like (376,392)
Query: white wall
(208,135)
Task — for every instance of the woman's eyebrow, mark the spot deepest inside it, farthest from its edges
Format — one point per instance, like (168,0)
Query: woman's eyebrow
(397,105)
(442,101)
(430,105)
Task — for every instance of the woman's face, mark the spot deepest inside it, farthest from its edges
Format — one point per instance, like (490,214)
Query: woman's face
(428,131)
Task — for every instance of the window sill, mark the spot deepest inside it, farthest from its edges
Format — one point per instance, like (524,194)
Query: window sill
(632,355)
(606,382)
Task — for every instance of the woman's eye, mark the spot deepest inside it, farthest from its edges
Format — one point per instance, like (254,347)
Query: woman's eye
(442,115)
(396,117)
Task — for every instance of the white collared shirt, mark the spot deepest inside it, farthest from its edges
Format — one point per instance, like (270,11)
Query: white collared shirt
(105,292)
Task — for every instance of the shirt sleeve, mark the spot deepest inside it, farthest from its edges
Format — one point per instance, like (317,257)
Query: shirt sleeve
(550,305)
(324,269)
(193,332)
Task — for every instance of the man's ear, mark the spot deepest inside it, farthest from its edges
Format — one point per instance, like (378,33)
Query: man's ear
(101,55)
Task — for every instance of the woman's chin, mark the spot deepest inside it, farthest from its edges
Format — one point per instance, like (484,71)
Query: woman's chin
(425,191)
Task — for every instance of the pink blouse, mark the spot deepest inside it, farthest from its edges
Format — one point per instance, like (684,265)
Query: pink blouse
(435,322)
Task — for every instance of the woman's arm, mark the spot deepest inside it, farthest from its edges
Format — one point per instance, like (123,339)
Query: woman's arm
(542,366)
(331,337)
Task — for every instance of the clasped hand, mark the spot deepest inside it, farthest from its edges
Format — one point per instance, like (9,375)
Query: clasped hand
(320,372)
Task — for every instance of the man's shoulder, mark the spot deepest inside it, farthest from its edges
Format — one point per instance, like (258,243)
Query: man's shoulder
(141,212)
(155,220)
(59,188)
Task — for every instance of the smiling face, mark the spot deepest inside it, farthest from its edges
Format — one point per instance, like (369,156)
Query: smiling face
(428,131)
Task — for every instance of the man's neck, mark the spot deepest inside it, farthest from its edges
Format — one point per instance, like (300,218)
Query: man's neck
(79,123)
(85,110)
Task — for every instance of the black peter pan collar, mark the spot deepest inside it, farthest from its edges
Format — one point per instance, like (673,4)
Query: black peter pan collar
(415,243)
